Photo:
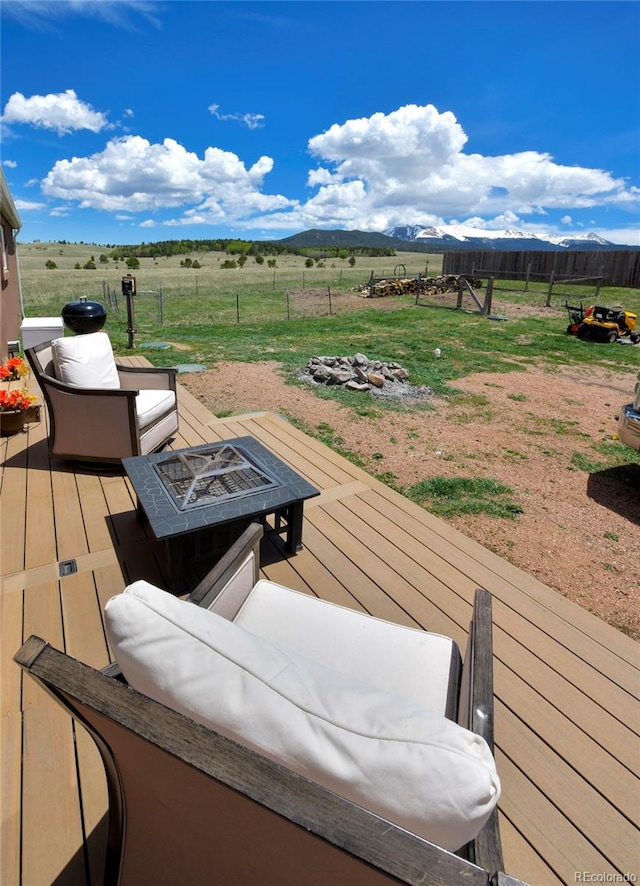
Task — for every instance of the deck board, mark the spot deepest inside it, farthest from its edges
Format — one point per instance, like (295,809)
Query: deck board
(48,851)
(567,685)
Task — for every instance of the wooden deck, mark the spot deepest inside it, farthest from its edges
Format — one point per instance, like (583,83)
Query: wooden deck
(567,685)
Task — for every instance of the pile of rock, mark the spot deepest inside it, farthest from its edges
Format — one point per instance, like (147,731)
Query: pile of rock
(358,373)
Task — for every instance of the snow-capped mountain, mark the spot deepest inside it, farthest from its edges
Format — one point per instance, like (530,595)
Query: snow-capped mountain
(469,236)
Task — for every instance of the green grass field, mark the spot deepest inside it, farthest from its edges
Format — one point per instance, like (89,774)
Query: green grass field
(42,286)
(258,313)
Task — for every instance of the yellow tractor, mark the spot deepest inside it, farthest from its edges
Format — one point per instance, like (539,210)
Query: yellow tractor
(608,325)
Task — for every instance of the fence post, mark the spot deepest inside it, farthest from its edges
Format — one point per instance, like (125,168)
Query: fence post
(131,330)
(488,297)
(238,306)
(551,279)
(160,307)
(288,313)
(329,291)
(528,277)
(460,290)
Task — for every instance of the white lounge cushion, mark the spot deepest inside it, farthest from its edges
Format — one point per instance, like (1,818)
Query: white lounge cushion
(406,763)
(361,646)
(152,405)
(85,361)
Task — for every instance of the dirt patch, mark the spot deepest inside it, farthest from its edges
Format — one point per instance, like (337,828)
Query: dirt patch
(579,532)
(321,302)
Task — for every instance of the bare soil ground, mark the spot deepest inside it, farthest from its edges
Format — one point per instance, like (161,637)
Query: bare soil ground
(579,533)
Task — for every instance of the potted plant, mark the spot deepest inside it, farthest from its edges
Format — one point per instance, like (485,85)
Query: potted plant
(13,410)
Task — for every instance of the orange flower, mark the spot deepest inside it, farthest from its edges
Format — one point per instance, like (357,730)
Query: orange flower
(14,369)
(10,400)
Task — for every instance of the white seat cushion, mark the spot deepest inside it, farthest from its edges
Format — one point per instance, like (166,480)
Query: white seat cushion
(413,664)
(408,764)
(152,405)
(85,361)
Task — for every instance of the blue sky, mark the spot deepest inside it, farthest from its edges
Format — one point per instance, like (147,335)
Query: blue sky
(139,120)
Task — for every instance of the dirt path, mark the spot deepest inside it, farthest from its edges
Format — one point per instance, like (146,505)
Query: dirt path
(579,533)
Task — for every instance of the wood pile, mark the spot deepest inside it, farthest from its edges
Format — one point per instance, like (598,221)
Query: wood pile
(390,286)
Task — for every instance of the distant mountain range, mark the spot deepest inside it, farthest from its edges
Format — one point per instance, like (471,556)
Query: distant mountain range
(341,240)
(469,237)
(417,238)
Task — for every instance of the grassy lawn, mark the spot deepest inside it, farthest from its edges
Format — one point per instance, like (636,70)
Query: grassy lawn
(253,313)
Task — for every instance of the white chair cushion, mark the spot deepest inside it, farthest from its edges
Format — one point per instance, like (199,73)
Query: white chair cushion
(413,664)
(152,405)
(408,764)
(85,361)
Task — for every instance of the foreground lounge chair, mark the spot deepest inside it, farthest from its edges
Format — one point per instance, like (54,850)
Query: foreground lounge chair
(189,803)
(99,411)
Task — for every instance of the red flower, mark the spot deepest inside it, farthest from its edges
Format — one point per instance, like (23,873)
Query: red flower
(10,400)
(14,369)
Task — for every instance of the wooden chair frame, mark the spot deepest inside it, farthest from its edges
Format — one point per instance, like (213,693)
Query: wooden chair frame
(190,804)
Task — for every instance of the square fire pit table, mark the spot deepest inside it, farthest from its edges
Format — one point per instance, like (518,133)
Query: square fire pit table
(188,496)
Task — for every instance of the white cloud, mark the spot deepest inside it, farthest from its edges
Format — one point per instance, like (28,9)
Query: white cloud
(10,164)
(625,236)
(409,167)
(405,167)
(133,175)
(44,14)
(321,176)
(63,112)
(252,121)
(26,205)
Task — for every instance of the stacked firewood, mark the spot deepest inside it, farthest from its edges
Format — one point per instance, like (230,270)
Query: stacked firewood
(390,286)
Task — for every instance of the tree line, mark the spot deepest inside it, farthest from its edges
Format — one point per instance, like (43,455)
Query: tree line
(239,248)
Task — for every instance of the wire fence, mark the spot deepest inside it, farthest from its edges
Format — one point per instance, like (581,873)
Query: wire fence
(163,309)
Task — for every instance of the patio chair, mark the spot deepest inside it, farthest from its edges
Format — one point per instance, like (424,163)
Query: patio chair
(192,802)
(99,411)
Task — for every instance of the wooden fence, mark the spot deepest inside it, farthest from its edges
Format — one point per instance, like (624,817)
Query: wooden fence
(617,267)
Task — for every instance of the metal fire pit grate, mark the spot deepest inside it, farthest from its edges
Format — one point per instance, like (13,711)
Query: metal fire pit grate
(211,476)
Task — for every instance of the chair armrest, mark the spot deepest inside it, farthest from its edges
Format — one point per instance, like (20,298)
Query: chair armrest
(476,713)
(147,378)
(245,548)
(54,384)
(481,700)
